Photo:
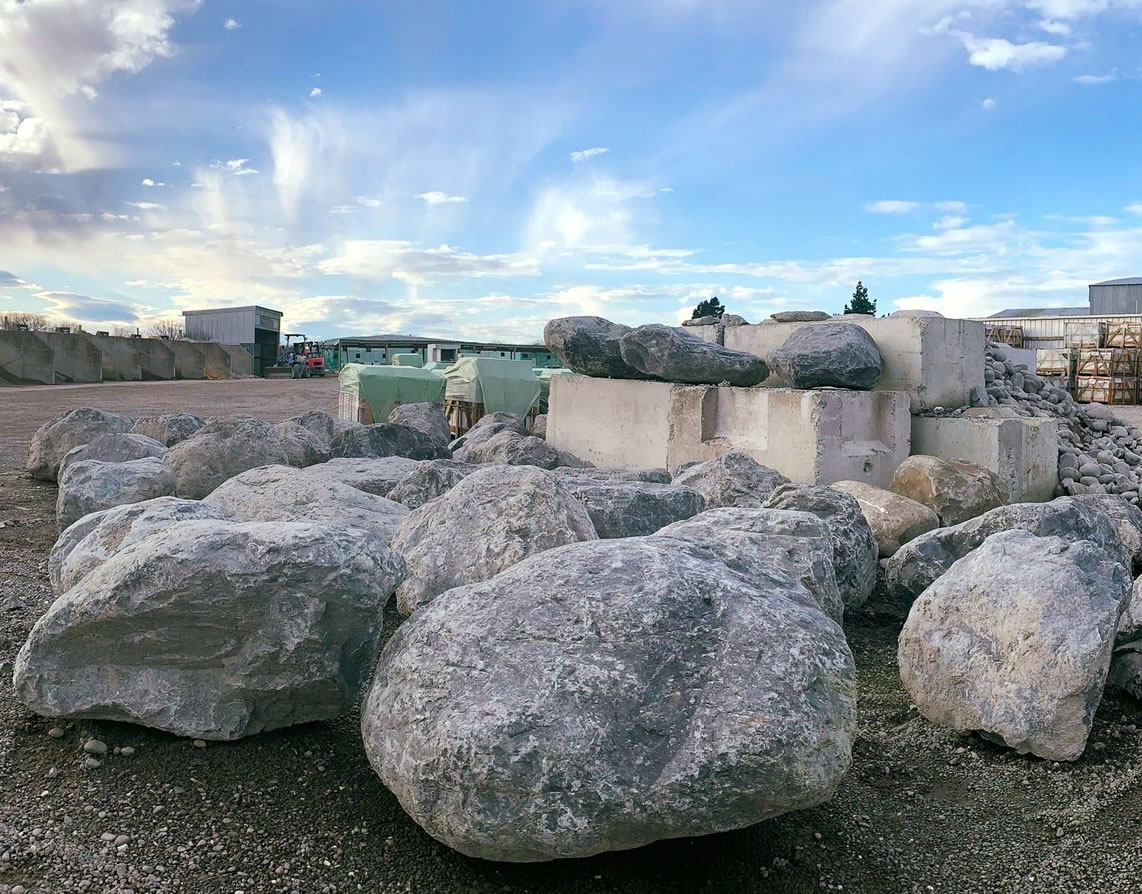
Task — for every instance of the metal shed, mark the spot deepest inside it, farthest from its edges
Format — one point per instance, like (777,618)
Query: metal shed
(1116,297)
(256,329)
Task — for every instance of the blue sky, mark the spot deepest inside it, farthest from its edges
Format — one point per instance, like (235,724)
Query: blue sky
(458,168)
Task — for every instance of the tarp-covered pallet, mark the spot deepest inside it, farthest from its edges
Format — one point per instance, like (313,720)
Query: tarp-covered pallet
(370,393)
(480,385)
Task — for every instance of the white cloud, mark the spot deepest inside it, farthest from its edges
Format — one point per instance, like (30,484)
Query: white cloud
(436,197)
(147,181)
(1089,79)
(24,140)
(1134,208)
(997,53)
(988,104)
(235,166)
(316,91)
(147,206)
(895,206)
(368,201)
(586,154)
(1060,29)
(1075,9)
(231,24)
(380,259)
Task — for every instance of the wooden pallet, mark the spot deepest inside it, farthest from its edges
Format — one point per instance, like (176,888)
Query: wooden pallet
(1106,390)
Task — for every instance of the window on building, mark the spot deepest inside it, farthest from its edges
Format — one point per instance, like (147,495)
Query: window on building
(357,356)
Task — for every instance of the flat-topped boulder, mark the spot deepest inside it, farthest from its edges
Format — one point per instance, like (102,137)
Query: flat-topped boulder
(91,486)
(633,508)
(117,447)
(55,439)
(666,353)
(220,450)
(387,439)
(168,428)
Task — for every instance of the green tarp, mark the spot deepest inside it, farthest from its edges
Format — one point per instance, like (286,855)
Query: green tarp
(502,386)
(407,360)
(545,376)
(384,388)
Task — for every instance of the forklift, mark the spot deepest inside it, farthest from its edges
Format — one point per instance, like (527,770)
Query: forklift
(298,358)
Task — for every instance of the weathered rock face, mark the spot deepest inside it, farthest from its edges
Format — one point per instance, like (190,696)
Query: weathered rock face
(854,546)
(639,689)
(118,447)
(796,544)
(840,355)
(1127,519)
(921,561)
(430,479)
(633,508)
(651,476)
(426,418)
(215,629)
(220,450)
(302,445)
(954,489)
(734,480)
(91,486)
(169,428)
(674,356)
(491,520)
(282,493)
(511,448)
(322,425)
(91,541)
(374,476)
(800,316)
(386,439)
(486,428)
(539,426)
(590,346)
(69,430)
(894,519)
(1014,642)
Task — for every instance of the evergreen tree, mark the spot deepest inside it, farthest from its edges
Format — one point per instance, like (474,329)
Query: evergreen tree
(708,307)
(861,303)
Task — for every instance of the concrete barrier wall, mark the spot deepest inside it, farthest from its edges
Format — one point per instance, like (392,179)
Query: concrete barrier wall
(628,427)
(74,357)
(189,359)
(26,359)
(215,360)
(241,363)
(937,361)
(121,362)
(156,360)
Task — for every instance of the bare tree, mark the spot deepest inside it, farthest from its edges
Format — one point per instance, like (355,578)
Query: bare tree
(171,329)
(23,320)
(122,331)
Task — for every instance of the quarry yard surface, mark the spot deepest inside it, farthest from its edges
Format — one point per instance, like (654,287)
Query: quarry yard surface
(300,810)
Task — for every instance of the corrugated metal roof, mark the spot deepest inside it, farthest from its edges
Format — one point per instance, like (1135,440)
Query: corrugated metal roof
(1041,312)
(1129,281)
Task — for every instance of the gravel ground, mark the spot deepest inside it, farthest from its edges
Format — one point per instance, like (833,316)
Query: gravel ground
(300,810)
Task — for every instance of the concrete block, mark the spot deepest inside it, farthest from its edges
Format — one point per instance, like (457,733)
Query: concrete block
(121,361)
(189,359)
(816,436)
(156,360)
(938,361)
(215,361)
(75,358)
(241,363)
(26,359)
(1023,452)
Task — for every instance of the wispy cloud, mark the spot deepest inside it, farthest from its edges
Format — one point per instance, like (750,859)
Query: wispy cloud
(147,181)
(231,24)
(988,104)
(896,206)
(435,197)
(587,154)
(315,91)
(147,206)
(997,53)
(1090,79)
(235,166)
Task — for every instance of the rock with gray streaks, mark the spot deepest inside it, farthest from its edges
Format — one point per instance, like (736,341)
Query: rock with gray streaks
(430,479)
(633,508)
(511,448)
(1127,518)
(491,520)
(169,428)
(607,695)
(955,489)
(840,355)
(486,428)
(854,546)
(303,445)
(215,630)
(220,450)
(800,316)
(424,417)
(735,480)
(795,543)
(53,440)
(539,426)
(322,425)
(387,439)
(91,541)
(920,562)
(117,447)
(672,355)
(91,486)
(590,346)
(373,475)
(651,476)
(1015,640)
(286,494)
(894,519)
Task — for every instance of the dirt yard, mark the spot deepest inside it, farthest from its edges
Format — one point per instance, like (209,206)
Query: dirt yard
(300,810)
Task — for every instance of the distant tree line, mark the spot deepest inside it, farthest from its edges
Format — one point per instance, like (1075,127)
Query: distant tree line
(33,322)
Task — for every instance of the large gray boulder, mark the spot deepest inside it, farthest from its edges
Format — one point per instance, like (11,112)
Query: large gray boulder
(91,486)
(955,489)
(387,439)
(283,493)
(675,356)
(735,479)
(377,475)
(426,418)
(169,428)
(609,694)
(838,355)
(800,316)
(590,346)
(1015,640)
(430,479)
(1127,519)
(486,428)
(511,448)
(88,543)
(797,544)
(854,547)
(53,440)
(215,629)
(633,508)
(921,561)
(322,425)
(304,445)
(117,447)
(590,473)
(491,520)
(220,450)
(894,519)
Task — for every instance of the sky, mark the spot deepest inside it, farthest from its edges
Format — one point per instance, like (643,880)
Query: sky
(462,169)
